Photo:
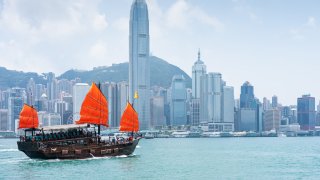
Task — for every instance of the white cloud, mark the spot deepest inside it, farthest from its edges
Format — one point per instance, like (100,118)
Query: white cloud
(181,14)
(98,50)
(56,35)
(311,21)
(302,32)
(50,35)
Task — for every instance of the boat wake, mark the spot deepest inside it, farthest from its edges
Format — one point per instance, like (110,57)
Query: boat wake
(8,150)
(138,147)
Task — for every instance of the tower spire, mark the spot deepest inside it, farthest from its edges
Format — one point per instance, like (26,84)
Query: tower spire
(199,54)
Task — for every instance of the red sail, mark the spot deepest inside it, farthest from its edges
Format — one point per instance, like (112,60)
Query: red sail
(94,109)
(28,117)
(129,120)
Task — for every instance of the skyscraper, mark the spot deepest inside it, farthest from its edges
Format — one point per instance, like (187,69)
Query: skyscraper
(249,105)
(198,70)
(271,119)
(31,89)
(228,104)
(80,91)
(306,112)
(274,101)
(3,119)
(178,101)
(15,102)
(139,66)
(247,99)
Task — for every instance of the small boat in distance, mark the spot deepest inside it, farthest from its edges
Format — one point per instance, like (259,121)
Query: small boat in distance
(80,140)
(149,135)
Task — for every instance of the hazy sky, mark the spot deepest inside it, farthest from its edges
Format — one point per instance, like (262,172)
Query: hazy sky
(273,44)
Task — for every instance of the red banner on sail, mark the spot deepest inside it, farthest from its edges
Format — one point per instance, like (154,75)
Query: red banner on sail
(28,117)
(129,120)
(94,109)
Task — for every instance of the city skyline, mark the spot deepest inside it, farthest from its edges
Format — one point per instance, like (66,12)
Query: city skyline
(240,39)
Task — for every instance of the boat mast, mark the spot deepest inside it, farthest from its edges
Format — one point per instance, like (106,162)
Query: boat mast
(99,109)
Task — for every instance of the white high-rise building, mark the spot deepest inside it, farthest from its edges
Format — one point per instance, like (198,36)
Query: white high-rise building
(228,104)
(217,87)
(80,91)
(123,95)
(139,65)
(198,69)
(3,119)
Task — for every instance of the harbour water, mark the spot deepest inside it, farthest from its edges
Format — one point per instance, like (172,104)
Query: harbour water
(179,158)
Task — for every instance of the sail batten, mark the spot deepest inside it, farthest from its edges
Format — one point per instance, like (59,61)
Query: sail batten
(28,117)
(129,120)
(94,109)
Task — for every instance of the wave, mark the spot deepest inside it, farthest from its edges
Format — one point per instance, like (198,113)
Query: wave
(138,147)
(8,150)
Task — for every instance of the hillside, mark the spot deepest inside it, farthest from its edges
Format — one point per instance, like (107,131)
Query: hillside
(161,74)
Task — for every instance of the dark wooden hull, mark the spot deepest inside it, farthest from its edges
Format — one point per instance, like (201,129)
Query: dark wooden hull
(45,150)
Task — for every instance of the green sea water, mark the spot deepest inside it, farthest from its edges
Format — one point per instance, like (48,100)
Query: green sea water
(199,158)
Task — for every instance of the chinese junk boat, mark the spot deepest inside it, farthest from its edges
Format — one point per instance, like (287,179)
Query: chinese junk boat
(80,140)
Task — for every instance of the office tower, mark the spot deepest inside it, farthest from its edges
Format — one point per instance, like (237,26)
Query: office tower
(247,120)
(4,99)
(266,104)
(51,86)
(228,104)
(198,69)
(80,91)
(111,92)
(211,87)
(31,91)
(306,112)
(139,65)
(249,104)
(274,101)
(271,119)
(15,103)
(3,119)
(217,87)
(114,109)
(247,99)
(123,95)
(40,89)
(164,93)
(195,112)
(64,85)
(16,100)
(157,112)
(178,101)
(61,108)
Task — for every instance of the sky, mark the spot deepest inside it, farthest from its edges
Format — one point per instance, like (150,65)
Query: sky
(275,45)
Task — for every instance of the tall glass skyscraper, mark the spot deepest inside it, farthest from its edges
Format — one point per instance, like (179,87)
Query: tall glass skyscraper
(178,101)
(306,112)
(198,69)
(139,65)
(247,99)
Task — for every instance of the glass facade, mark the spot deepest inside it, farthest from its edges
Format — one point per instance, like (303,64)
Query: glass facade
(306,112)
(139,66)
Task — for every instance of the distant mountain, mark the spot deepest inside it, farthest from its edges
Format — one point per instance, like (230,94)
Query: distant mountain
(12,78)
(161,74)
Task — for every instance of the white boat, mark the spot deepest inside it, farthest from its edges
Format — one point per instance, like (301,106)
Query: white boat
(180,134)
(149,136)
(211,134)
